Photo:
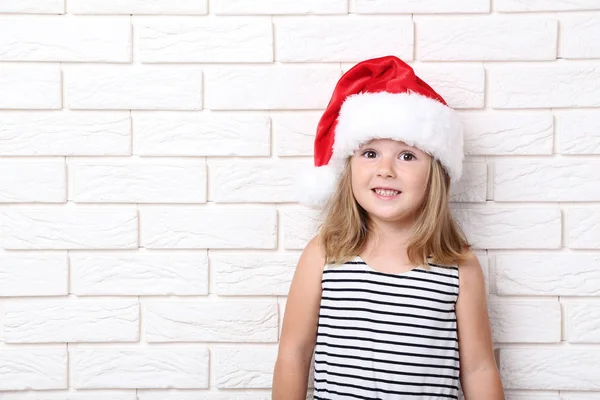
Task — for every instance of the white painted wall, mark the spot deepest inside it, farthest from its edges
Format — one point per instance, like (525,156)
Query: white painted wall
(147,153)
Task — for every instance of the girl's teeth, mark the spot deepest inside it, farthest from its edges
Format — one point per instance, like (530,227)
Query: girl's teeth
(386,192)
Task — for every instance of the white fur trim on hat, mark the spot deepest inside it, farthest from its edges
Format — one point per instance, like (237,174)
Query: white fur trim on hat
(417,120)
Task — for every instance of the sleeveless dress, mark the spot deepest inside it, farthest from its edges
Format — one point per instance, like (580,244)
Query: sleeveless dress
(387,336)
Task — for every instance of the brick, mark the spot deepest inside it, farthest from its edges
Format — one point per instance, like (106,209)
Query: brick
(51,321)
(52,133)
(29,182)
(576,31)
(487,38)
(62,38)
(66,395)
(139,273)
(201,134)
(417,6)
(103,368)
(30,86)
(248,368)
(583,228)
(138,7)
(550,369)
(576,84)
(472,186)
(161,180)
(208,227)
(547,181)
(37,274)
(32,6)
(33,369)
(530,396)
(198,395)
(342,39)
(578,132)
(582,322)
(246,7)
(462,86)
(261,181)
(548,275)
(211,321)
(268,274)
(295,132)
(70,228)
(545,5)
(181,39)
(508,133)
(511,228)
(525,321)
(300,225)
(578,396)
(269,87)
(133,87)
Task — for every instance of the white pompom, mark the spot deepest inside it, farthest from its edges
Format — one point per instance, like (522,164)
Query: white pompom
(316,185)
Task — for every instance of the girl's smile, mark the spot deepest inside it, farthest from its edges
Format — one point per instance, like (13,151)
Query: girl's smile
(386,194)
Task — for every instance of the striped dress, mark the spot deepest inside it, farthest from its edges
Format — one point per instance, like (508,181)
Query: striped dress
(387,336)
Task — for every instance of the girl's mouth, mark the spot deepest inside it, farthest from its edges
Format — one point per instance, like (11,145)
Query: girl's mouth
(386,194)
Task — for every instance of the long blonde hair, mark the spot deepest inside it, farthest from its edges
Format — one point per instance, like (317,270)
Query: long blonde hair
(436,237)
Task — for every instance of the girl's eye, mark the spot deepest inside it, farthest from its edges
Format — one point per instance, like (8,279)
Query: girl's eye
(409,154)
(369,153)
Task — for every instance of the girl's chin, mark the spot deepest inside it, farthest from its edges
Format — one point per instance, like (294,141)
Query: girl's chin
(390,219)
(392,211)
(384,211)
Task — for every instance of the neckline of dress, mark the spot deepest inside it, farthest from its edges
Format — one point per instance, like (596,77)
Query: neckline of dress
(367,266)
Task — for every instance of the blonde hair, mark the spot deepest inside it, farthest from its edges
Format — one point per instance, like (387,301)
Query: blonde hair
(436,237)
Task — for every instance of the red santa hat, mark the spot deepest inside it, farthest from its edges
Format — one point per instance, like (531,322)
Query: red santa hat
(380,98)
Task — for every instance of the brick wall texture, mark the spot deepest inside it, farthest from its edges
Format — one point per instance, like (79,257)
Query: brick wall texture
(148,150)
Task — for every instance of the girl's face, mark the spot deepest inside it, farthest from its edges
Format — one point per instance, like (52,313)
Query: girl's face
(389,178)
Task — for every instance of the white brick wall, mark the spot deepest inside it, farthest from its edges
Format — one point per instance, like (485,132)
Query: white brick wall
(147,153)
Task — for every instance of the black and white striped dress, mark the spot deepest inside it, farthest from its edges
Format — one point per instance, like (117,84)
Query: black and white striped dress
(387,336)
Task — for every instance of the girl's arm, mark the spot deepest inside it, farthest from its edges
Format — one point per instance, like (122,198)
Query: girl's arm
(479,374)
(299,331)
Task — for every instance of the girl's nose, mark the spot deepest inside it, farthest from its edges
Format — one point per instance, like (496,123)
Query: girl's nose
(385,168)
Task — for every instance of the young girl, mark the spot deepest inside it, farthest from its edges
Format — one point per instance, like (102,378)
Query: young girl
(388,297)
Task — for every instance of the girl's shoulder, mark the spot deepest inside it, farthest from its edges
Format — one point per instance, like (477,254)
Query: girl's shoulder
(468,260)
(470,272)
(466,257)
(314,253)
(348,262)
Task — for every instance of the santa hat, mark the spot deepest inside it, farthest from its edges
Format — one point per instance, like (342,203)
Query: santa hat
(376,99)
